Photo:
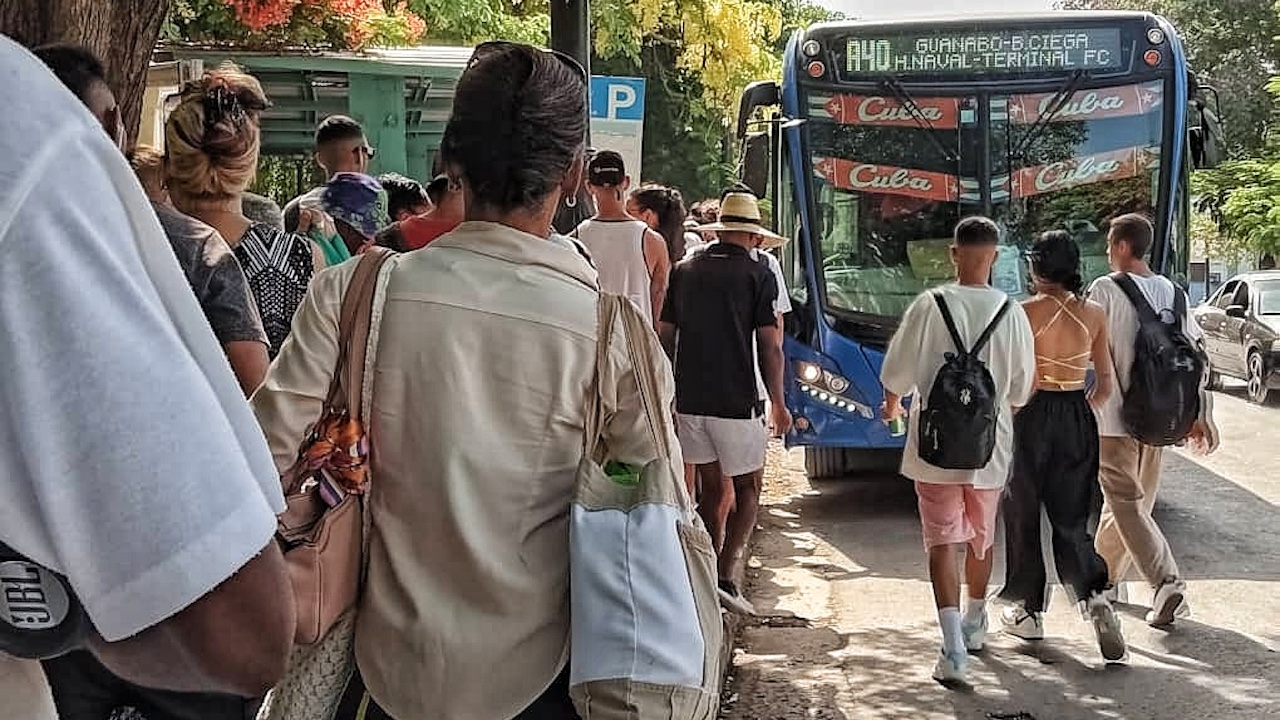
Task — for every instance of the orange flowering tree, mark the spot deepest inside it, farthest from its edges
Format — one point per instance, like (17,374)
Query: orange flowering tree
(337,24)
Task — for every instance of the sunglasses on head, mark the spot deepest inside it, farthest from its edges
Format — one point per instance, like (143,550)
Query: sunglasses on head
(491,46)
(368,150)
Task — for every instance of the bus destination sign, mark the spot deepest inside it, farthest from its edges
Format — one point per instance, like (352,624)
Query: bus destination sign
(986,52)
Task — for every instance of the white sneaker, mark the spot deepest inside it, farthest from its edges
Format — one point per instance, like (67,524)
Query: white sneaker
(952,669)
(975,636)
(731,599)
(1018,622)
(1170,597)
(1106,626)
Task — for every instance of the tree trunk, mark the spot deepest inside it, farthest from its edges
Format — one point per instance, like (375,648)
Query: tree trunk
(122,33)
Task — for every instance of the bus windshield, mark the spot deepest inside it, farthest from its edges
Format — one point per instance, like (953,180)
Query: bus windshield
(891,176)
(1096,157)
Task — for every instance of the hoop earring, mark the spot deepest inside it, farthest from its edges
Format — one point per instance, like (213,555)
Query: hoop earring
(571,201)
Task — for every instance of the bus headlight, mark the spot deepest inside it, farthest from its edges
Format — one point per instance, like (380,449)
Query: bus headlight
(828,387)
(808,372)
(1155,36)
(837,383)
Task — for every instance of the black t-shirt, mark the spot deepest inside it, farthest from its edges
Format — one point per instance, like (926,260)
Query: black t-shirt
(717,299)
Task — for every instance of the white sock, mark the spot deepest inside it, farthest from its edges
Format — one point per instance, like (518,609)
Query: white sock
(952,635)
(974,610)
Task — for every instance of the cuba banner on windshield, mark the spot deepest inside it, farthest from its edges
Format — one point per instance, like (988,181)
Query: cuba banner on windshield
(949,113)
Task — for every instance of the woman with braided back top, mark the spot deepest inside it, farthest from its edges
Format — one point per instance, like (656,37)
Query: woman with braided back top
(1055,457)
(213,141)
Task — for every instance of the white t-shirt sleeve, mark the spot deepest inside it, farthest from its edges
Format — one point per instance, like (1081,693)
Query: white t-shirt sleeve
(129,459)
(782,305)
(901,362)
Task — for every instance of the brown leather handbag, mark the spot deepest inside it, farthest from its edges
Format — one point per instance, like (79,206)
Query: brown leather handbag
(321,530)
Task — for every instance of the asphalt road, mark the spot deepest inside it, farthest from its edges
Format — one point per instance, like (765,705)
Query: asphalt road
(848,628)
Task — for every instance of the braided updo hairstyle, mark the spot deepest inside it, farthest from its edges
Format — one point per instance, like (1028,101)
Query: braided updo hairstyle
(519,122)
(212,138)
(1055,257)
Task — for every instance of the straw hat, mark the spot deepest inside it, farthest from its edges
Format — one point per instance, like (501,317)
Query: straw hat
(740,212)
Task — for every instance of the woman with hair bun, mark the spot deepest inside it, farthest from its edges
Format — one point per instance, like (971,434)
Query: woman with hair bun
(1055,456)
(212,141)
(488,344)
(662,209)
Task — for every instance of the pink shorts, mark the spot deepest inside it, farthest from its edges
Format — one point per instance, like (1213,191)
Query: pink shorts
(958,514)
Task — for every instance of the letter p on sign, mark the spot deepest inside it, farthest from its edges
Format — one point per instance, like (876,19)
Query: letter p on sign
(621,97)
(617,98)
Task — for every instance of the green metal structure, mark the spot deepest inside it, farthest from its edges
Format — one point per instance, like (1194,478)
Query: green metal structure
(402,96)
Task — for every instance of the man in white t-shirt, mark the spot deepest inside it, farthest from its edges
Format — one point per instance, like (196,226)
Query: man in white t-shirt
(958,507)
(1129,470)
(130,462)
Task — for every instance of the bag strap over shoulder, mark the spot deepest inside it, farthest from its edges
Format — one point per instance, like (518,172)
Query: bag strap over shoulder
(635,329)
(1139,301)
(1179,304)
(606,311)
(956,340)
(353,332)
(985,337)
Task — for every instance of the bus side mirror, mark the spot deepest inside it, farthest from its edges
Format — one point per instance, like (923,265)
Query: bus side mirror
(1205,139)
(763,93)
(755,163)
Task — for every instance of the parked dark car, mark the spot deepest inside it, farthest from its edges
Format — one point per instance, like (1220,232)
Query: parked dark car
(1241,323)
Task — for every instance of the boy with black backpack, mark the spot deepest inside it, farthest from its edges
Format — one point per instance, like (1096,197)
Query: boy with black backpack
(966,353)
(1162,376)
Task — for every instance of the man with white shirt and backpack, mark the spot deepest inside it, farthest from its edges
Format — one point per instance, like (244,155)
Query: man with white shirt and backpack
(1162,375)
(965,353)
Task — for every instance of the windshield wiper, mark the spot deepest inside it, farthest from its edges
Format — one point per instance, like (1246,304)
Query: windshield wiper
(904,99)
(1055,105)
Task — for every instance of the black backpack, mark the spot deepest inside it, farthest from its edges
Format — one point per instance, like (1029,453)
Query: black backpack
(957,428)
(1162,401)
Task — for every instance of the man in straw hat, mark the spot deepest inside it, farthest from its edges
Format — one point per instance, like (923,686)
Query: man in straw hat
(717,323)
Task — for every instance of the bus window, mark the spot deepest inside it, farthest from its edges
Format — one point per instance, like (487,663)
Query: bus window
(890,183)
(1097,157)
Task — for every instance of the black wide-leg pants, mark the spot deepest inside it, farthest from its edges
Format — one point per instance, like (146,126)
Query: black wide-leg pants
(1055,466)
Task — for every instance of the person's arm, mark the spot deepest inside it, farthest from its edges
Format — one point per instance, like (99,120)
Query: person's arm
(228,640)
(141,475)
(898,371)
(1022,376)
(655,256)
(1100,354)
(233,314)
(669,317)
(768,336)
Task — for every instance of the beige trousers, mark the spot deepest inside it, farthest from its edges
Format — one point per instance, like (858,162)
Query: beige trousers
(1129,473)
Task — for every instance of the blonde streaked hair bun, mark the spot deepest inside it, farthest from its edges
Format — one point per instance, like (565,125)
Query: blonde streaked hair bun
(213,138)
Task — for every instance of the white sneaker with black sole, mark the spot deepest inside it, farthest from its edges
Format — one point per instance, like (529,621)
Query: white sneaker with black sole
(1020,623)
(1169,603)
(1106,626)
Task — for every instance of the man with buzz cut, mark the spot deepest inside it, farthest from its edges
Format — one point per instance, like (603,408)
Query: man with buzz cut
(341,146)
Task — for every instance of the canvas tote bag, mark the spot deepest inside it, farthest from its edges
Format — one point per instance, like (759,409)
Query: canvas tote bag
(646,630)
(319,671)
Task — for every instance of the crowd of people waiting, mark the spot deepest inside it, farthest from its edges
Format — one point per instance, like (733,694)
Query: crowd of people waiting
(487,343)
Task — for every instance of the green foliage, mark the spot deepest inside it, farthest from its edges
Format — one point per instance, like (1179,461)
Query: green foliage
(1232,46)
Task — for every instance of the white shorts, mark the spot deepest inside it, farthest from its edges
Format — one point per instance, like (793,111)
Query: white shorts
(738,445)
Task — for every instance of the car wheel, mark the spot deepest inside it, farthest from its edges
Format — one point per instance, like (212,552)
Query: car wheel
(1257,389)
(1215,379)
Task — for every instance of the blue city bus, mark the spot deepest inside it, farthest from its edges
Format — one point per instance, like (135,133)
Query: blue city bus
(882,135)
